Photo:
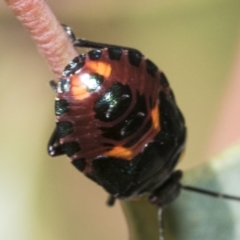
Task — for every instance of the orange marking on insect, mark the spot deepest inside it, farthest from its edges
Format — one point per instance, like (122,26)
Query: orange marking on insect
(155,117)
(99,67)
(78,90)
(120,152)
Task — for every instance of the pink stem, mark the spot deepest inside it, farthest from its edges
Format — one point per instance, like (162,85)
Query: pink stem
(227,130)
(46,31)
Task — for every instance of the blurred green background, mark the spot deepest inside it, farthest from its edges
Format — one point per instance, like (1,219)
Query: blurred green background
(193,42)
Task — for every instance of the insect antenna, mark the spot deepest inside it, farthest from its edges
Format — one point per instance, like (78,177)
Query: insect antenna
(160,222)
(210,193)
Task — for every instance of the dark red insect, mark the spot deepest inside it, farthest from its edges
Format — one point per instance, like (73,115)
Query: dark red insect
(118,121)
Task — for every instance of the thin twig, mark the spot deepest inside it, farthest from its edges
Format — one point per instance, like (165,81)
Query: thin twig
(44,28)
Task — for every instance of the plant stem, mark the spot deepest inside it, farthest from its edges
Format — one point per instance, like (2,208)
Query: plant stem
(142,218)
(44,28)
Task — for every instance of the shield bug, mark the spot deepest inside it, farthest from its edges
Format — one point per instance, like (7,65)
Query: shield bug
(118,121)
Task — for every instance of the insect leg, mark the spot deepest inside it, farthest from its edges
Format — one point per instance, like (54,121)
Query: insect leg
(90,44)
(168,191)
(111,200)
(53,85)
